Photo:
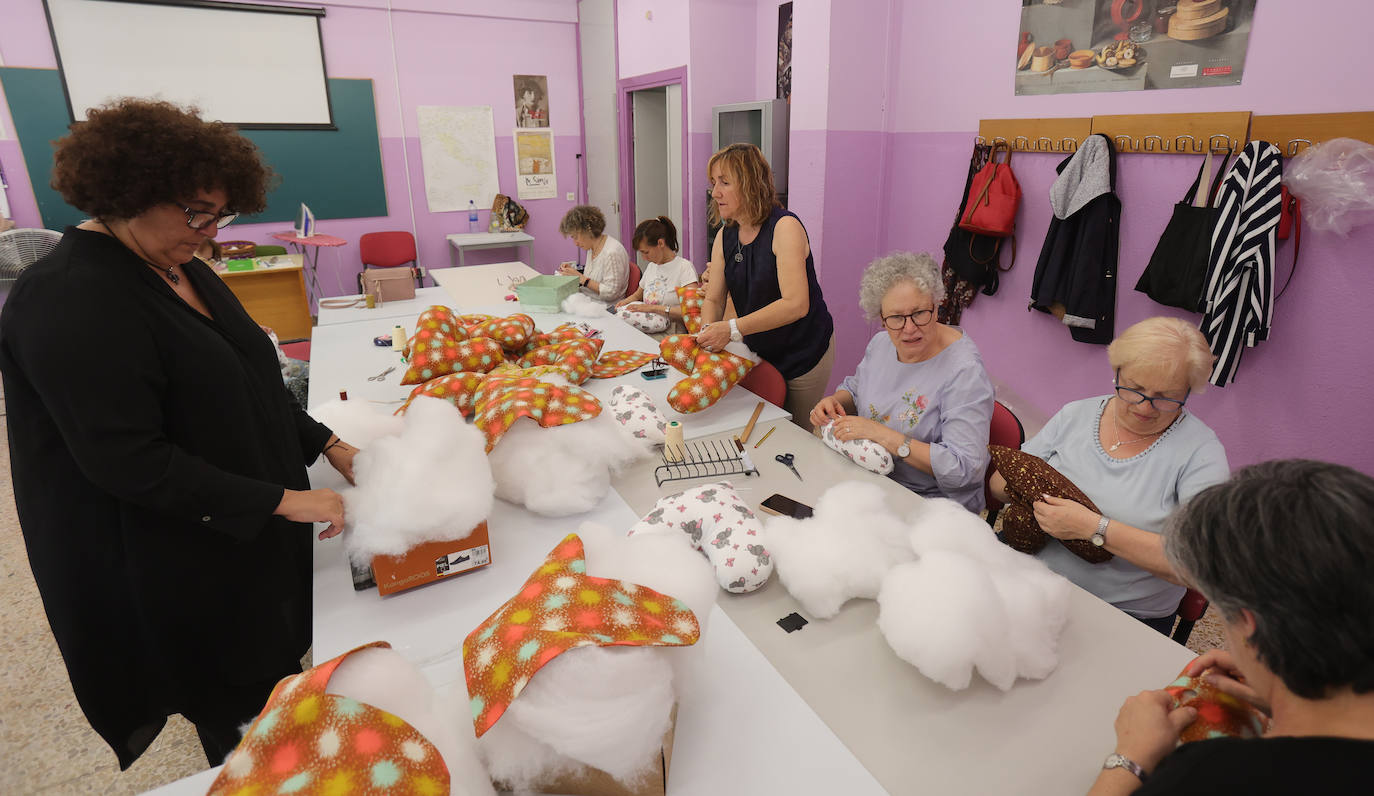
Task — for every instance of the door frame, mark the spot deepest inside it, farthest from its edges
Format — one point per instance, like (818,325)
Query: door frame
(624,88)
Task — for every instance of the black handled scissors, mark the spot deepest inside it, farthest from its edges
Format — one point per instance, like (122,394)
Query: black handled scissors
(788,459)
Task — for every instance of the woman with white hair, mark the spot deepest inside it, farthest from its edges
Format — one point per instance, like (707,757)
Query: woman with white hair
(921,390)
(1299,641)
(1138,454)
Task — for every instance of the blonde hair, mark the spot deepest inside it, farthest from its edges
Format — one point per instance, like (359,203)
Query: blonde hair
(1170,347)
(754,179)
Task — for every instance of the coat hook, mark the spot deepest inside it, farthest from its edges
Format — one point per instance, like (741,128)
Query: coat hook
(1044,144)
(1068,144)
(1148,143)
(1130,146)
(1020,143)
(999,140)
(1181,148)
(1212,146)
(1293,145)
(981,141)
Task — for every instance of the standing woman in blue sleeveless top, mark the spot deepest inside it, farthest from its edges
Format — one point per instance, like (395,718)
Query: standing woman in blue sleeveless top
(762,286)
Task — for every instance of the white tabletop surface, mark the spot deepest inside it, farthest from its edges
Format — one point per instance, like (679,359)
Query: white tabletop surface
(472,285)
(343,357)
(425,297)
(489,238)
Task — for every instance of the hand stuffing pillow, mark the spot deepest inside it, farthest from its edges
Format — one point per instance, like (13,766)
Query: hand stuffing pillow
(1028,477)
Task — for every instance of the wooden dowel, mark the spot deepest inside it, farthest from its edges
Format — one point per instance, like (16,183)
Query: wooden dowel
(749,429)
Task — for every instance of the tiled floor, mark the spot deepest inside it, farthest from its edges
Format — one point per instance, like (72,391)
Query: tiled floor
(45,743)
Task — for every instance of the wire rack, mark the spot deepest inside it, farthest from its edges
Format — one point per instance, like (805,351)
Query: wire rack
(705,459)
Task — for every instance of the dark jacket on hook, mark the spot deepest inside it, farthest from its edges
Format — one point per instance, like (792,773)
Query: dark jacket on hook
(1075,277)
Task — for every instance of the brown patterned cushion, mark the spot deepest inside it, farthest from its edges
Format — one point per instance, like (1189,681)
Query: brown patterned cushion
(1028,477)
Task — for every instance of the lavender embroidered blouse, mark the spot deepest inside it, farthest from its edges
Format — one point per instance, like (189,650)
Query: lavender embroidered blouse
(945,401)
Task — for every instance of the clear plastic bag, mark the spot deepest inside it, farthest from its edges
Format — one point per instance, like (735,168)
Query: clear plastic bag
(1335,181)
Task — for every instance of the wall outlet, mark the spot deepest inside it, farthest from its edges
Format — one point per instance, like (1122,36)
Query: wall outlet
(571,197)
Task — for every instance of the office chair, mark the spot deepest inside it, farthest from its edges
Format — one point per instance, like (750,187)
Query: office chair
(388,250)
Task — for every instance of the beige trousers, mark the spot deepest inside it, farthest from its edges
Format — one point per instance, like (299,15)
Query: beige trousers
(805,391)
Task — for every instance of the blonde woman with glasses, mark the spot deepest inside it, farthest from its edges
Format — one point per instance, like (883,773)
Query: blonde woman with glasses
(1138,453)
(921,390)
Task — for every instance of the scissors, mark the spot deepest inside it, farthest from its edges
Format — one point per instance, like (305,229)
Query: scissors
(381,376)
(788,459)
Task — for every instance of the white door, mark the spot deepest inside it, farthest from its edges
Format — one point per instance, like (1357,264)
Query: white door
(650,117)
(601,147)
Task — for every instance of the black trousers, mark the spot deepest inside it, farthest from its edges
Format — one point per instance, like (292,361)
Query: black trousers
(220,713)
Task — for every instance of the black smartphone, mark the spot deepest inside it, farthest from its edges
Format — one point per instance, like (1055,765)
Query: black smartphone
(786,506)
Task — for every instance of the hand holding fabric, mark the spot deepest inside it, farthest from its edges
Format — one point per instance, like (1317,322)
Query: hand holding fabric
(1148,726)
(1065,519)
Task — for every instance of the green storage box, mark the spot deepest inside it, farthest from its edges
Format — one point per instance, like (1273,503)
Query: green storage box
(545,293)
(242,264)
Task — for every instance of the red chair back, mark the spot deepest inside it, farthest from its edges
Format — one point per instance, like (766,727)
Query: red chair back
(766,382)
(1190,609)
(1005,430)
(300,349)
(635,275)
(387,249)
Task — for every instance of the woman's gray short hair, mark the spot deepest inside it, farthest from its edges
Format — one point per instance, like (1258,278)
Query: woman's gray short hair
(1291,542)
(920,270)
(583,218)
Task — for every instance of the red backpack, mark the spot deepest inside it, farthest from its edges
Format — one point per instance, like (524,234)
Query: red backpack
(993,198)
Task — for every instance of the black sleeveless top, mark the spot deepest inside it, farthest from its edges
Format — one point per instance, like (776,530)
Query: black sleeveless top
(751,276)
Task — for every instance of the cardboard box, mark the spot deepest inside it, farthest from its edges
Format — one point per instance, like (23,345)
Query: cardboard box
(432,561)
(595,782)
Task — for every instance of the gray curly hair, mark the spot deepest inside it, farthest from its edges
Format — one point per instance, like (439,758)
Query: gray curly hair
(920,270)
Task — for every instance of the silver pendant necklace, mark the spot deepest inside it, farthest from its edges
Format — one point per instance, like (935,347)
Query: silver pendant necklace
(168,272)
(1119,441)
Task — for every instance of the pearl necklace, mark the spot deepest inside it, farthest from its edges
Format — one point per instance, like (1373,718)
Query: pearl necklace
(1119,441)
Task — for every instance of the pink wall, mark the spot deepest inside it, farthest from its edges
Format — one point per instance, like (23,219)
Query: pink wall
(446,53)
(651,45)
(1295,395)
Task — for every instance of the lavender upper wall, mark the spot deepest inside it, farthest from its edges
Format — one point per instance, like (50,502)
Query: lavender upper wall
(446,52)
(1300,393)
(651,45)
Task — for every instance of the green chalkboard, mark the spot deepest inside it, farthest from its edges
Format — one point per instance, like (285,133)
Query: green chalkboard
(337,172)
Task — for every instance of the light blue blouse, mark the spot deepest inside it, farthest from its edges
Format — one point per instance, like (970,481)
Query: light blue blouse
(1140,491)
(945,401)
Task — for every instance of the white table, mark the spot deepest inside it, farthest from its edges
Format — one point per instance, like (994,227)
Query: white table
(474,285)
(474,241)
(425,297)
(343,357)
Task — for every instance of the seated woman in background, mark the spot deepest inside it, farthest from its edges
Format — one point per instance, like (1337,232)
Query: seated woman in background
(921,391)
(1138,454)
(656,240)
(763,287)
(607,273)
(1299,640)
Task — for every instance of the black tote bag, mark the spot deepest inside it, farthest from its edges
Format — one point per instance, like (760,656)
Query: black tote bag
(1177,270)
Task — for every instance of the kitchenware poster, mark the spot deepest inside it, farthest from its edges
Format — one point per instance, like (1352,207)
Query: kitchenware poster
(534,165)
(785,52)
(531,100)
(1085,46)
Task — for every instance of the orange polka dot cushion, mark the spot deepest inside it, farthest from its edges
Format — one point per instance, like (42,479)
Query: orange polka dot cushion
(432,356)
(711,374)
(1219,715)
(307,740)
(500,401)
(561,608)
(574,357)
(692,298)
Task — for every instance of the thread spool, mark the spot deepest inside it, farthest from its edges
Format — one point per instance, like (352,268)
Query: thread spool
(371,301)
(674,450)
(398,338)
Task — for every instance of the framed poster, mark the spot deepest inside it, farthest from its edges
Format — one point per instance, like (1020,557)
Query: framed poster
(534,165)
(785,52)
(1084,46)
(531,100)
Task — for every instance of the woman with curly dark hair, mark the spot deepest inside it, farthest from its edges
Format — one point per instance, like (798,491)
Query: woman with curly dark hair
(159,464)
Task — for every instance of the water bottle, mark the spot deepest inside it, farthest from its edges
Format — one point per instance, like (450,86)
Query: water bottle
(472,216)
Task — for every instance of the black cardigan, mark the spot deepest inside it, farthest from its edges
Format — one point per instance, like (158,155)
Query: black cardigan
(149,447)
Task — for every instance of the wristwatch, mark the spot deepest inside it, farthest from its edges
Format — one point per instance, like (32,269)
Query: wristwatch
(585,280)
(1099,538)
(904,450)
(735,336)
(1115,760)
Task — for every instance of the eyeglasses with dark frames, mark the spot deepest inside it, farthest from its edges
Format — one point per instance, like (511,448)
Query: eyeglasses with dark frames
(200,219)
(896,323)
(1160,404)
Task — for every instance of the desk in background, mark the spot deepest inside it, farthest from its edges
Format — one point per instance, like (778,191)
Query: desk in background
(472,285)
(476,241)
(274,295)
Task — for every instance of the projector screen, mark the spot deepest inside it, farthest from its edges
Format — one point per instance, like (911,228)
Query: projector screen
(255,66)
